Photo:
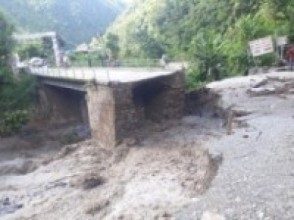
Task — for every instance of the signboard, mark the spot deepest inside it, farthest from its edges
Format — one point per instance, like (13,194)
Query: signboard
(282,41)
(261,46)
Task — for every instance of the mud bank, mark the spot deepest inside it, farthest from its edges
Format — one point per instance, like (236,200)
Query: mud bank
(148,178)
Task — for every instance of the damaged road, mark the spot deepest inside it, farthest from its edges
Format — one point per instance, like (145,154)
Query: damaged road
(256,179)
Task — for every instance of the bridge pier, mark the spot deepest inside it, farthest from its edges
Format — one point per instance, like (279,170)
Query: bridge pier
(118,110)
(101,111)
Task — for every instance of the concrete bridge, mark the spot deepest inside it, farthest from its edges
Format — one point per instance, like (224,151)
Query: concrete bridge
(114,101)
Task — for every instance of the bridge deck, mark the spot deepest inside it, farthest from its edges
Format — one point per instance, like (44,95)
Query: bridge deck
(103,75)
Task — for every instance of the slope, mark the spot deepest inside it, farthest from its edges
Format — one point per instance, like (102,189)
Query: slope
(77,21)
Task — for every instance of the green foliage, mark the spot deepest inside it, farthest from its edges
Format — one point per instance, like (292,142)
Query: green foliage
(15,93)
(212,34)
(96,59)
(87,59)
(11,122)
(206,53)
(28,51)
(138,31)
(149,46)
(112,45)
(194,79)
(6,41)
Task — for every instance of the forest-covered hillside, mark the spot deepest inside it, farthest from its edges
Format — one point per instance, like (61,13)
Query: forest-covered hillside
(76,20)
(206,32)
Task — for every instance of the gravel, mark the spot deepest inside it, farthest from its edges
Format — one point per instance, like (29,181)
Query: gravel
(256,179)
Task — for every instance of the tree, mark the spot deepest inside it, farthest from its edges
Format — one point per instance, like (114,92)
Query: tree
(15,94)
(112,44)
(206,32)
(149,46)
(206,54)
(6,42)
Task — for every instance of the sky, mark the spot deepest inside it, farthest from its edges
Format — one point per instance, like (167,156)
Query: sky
(114,2)
(128,1)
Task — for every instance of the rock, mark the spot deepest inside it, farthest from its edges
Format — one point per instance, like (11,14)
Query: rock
(88,181)
(277,78)
(240,112)
(241,122)
(283,87)
(246,136)
(93,182)
(8,206)
(96,207)
(212,216)
(289,85)
(6,201)
(216,156)
(259,83)
(166,215)
(130,142)
(261,91)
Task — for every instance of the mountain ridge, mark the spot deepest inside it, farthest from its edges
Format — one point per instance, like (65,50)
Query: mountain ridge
(76,21)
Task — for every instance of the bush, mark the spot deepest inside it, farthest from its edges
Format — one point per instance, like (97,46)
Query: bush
(11,122)
(194,79)
(16,95)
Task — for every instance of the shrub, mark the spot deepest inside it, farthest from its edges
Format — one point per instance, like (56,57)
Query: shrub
(11,122)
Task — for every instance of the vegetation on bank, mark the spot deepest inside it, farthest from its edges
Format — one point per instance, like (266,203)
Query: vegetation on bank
(212,34)
(16,92)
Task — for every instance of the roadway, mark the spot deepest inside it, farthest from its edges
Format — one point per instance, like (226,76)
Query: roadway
(104,75)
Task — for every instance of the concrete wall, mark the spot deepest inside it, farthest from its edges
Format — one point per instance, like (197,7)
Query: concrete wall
(101,110)
(129,116)
(167,101)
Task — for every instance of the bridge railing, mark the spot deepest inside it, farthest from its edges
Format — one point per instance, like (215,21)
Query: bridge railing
(84,74)
(115,63)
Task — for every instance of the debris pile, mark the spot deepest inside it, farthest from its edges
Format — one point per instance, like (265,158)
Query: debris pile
(271,86)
